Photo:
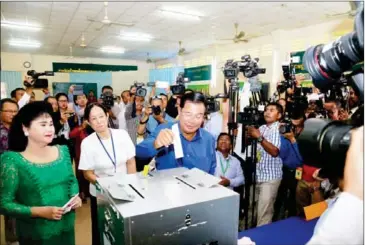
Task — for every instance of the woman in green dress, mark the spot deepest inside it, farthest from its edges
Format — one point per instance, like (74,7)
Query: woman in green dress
(36,180)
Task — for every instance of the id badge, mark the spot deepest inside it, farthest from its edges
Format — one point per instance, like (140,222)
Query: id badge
(258,155)
(298,173)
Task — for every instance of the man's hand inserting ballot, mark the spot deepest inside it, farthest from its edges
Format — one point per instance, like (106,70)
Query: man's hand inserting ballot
(164,138)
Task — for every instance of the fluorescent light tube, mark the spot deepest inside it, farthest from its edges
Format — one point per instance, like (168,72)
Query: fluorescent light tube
(24,43)
(114,50)
(20,26)
(135,37)
(180,14)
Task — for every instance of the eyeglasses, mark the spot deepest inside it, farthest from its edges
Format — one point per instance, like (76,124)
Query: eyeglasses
(10,111)
(189,115)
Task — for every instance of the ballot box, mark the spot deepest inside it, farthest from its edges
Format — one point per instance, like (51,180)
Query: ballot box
(173,207)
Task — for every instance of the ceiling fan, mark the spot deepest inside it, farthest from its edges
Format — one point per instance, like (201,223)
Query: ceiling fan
(106,21)
(182,50)
(148,60)
(351,13)
(238,37)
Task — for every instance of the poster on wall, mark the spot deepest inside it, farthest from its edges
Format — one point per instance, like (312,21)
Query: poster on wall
(80,67)
(3,90)
(199,73)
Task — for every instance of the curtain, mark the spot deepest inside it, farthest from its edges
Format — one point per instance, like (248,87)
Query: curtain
(12,79)
(100,78)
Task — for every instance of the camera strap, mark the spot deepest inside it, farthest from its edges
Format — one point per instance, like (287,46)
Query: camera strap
(114,162)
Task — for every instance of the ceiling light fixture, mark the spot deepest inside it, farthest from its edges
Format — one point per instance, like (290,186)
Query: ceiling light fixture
(180,14)
(20,26)
(24,43)
(114,50)
(135,37)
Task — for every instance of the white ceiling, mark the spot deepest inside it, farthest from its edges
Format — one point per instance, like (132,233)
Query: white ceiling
(64,23)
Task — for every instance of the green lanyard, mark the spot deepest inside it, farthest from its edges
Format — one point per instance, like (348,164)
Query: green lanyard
(224,170)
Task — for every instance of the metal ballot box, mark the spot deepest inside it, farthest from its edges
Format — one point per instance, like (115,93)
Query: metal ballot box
(166,207)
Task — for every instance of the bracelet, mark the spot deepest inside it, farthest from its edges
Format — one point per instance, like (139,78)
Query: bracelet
(140,122)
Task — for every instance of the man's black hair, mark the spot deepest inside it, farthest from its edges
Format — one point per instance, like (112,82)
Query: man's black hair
(162,94)
(13,93)
(125,91)
(194,97)
(224,134)
(61,94)
(7,100)
(106,87)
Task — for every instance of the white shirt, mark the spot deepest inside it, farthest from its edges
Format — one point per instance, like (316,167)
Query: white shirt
(215,124)
(24,100)
(121,117)
(234,170)
(342,223)
(94,157)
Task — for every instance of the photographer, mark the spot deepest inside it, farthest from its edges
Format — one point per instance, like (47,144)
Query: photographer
(133,115)
(269,164)
(342,223)
(125,96)
(22,96)
(290,155)
(113,110)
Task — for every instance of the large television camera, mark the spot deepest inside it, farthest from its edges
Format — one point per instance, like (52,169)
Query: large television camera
(107,99)
(212,104)
(325,142)
(37,82)
(249,67)
(179,88)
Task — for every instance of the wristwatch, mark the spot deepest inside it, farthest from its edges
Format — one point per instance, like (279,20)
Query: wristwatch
(260,139)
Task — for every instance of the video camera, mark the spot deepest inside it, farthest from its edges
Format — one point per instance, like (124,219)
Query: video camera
(289,76)
(37,82)
(246,65)
(251,116)
(325,142)
(179,88)
(212,104)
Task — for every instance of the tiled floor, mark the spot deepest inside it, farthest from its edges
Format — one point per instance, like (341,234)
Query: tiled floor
(83,225)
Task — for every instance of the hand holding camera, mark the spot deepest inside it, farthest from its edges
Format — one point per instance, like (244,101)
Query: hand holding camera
(253,132)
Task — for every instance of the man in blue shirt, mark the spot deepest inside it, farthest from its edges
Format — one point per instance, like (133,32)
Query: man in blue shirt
(197,144)
(159,116)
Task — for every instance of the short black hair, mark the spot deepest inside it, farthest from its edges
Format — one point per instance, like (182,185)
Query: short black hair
(132,86)
(162,94)
(277,105)
(26,115)
(92,105)
(49,97)
(124,91)
(225,134)
(7,100)
(188,91)
(61,94)
(195,97)
(106,87)
(13,93)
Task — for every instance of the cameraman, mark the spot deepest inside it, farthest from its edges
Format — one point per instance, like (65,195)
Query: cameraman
(114,110)
(153,117)
(269,164)
(342,223)
(289,153)
(353,101)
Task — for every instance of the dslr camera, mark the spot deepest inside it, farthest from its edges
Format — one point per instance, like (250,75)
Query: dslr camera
(156,110)
(108,99)
(179,88)
(140,91)
(249,67)
(325,142)
(289,82)
(37,82)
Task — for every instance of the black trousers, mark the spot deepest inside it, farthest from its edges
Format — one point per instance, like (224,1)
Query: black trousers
(94,221)
(285,204)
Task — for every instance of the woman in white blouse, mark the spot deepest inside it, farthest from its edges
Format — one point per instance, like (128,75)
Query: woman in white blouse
(105,152)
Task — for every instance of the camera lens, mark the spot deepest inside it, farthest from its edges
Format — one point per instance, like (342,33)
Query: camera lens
(332,139)
(326,63)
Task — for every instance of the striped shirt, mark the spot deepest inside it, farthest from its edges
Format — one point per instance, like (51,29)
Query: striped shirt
(132,123)
(268,167)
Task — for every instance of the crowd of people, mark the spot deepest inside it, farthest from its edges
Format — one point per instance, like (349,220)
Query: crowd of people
(40,141)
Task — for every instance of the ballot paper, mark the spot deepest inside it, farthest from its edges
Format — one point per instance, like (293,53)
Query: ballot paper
(68,206)
(177,142)
(198,178)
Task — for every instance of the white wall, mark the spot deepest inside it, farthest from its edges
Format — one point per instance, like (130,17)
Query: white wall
(272,50)
(40,63)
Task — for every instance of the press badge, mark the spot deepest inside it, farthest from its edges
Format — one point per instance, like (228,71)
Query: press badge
(258,155)
(298,173)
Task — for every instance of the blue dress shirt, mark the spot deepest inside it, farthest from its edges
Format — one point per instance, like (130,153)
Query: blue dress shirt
(152,122)
(198,153)
(290,154)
